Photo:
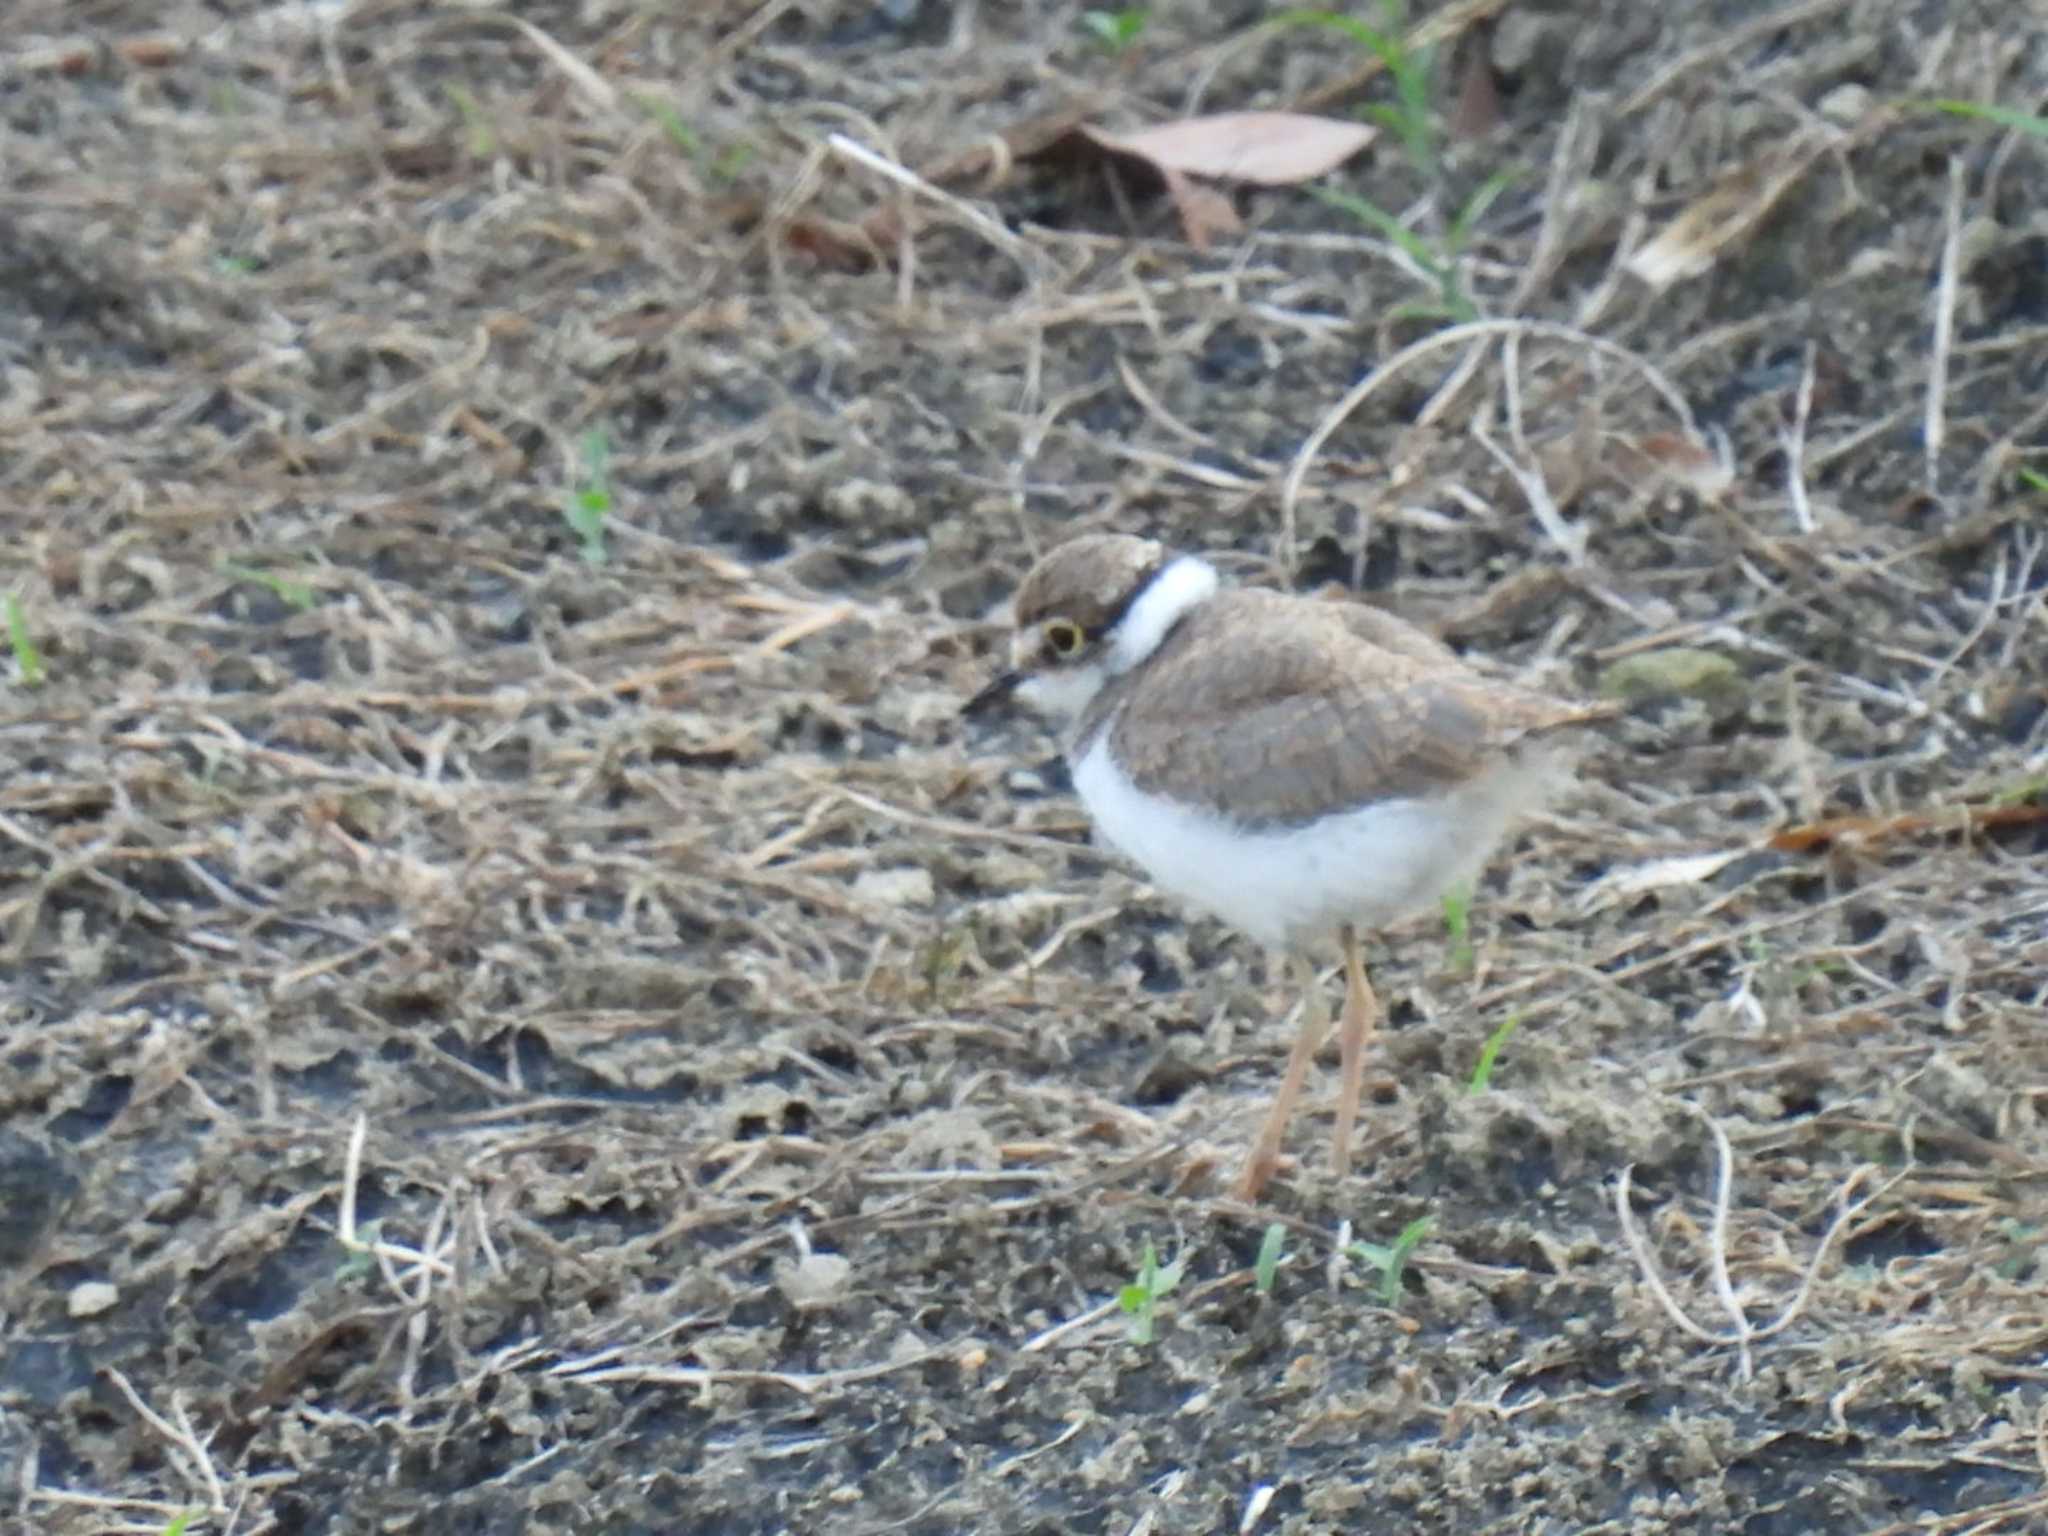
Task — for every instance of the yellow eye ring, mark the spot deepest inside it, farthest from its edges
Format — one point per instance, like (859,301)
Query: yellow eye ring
(1065,637)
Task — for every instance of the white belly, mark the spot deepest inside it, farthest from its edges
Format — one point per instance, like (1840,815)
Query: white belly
(1290,886)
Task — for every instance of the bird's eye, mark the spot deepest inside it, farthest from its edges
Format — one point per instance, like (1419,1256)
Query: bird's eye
(1065,638)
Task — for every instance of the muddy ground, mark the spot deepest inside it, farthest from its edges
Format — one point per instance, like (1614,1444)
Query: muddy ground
(499,1040)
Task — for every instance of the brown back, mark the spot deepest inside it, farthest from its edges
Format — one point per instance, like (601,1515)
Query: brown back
(1282,707)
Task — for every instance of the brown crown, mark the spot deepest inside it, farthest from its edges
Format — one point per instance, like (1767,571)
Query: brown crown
(1090,580)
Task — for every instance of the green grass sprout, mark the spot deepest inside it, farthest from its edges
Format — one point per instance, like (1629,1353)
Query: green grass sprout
(680,133)
(1438,258)
(939,962)
(586,506)
(1392,1258)
(1409,118)
(483,142)
(2004,117)
(723,166)
(1268,1265)
(359,1260)
(2025,1245)
(729,161)
(1458,928)
(2023,792)
(295,594)
(1140,1299)
(1116,30)
(1482,1072)
(28,661)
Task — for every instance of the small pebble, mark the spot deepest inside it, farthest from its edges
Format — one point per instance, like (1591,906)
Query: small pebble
(815,1280)
(905,887)
(89,1298)
(1845,104)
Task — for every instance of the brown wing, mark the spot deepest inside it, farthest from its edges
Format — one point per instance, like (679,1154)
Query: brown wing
(1377,627)
(1280,707)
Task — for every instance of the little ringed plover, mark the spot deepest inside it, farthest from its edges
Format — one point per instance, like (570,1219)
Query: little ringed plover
(1303,769)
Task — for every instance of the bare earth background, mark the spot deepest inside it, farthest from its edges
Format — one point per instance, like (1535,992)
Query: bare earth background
(659,923)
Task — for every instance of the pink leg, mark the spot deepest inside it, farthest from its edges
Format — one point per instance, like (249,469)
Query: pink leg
(1361,1009)
(1315,1023)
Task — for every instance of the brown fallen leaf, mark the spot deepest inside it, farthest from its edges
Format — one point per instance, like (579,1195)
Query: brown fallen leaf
(1266,149)
(1477,111)
(1204,212)
(833,245)
(1871,829)
(79,57)
(989,160)
(1727,212)
(1260,148)
(1682,460)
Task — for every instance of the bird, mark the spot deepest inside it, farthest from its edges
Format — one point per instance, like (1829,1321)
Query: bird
(1306,770)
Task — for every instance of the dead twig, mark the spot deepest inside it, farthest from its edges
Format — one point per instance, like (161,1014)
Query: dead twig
(1793,438)
(188,1448)
(1935,420)
(1451,336)
(1743,1334)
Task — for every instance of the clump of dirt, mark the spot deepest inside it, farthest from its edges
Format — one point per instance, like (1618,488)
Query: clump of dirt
(526,1006)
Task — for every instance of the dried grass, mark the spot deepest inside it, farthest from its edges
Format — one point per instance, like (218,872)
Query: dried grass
(448,989)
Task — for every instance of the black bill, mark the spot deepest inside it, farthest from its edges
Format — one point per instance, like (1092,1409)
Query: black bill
(997,692)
